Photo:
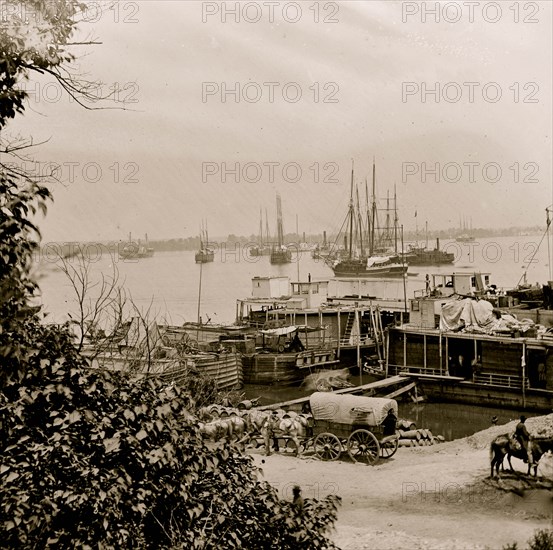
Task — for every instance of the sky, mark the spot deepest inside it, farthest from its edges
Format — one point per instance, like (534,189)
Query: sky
(456,113)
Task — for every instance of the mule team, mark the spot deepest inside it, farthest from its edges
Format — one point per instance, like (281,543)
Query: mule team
(233,424)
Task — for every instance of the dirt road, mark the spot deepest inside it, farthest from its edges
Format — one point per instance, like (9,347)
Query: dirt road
(425,497)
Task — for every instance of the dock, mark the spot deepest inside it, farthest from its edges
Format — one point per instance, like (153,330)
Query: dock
(372,386)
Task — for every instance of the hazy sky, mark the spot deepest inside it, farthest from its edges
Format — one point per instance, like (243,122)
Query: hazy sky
(158,167)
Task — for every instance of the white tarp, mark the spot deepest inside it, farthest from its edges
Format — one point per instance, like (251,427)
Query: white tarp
(350,409)
(478,316)
(375,261)
(468,314)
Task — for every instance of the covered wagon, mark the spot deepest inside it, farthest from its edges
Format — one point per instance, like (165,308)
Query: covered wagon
(353,423)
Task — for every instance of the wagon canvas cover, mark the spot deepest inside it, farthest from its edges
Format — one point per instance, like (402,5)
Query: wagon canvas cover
(350,409)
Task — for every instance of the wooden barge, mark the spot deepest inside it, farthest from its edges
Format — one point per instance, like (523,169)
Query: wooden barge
(477,369)
(511,369)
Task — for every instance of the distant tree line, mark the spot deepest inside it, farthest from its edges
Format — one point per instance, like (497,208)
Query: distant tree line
(193,243)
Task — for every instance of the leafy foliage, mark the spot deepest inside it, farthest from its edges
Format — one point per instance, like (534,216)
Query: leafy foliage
(34,37)
(542,539)
(91,458)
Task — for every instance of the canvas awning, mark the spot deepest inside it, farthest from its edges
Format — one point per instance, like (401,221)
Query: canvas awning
(281,331)
(350,409)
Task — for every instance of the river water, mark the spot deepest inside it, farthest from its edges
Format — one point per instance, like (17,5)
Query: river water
(168,285)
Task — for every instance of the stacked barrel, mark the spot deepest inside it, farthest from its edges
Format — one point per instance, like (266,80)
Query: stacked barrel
(410,436)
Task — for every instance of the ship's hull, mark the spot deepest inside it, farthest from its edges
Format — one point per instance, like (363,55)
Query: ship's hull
(430,257)
(285,368)
(203,257)
(360,269)
(133,251)
(257,251)
(225,369)
(281,257)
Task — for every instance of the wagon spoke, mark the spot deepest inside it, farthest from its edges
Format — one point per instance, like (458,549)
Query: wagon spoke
(389,448)
(363,447)
(327,446)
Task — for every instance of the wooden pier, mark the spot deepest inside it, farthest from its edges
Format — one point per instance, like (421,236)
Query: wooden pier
(371,387)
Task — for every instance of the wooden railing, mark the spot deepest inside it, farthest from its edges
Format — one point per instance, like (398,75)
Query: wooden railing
(503,380)
(399,369)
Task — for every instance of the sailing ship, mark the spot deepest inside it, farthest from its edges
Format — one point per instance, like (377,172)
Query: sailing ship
(321,250)
(465,237)
(263,248)
(204,254)
(135,250)
(369,251)
(279,253)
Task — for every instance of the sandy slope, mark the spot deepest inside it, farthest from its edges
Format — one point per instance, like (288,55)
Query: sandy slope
(425,497)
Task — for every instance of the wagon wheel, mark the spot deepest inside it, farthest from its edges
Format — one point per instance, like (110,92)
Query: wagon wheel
(389,447)
(327,446)
(363,447)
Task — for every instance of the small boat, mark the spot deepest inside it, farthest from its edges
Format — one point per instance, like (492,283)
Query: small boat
(284,358)
(205,254)
(465,238)
(147,351)
(262,249)
(419,255)
(280,254)
(135,250)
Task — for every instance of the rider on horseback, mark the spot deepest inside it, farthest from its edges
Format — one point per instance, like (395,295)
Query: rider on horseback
(523,437)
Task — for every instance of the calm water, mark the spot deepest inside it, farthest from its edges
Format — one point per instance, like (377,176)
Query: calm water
(168,285)
(169,281)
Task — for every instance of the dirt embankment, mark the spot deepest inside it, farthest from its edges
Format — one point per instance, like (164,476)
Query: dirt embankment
(435,497)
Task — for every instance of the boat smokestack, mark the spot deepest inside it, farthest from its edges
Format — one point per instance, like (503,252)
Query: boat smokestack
(437,243)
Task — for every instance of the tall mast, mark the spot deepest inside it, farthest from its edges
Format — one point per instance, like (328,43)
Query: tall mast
(260,228)
(280,230)
(359,223)
(373,213)
(350,213)
(367,213)
(426,230)
(395,220)
(388,219)
(267,233)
